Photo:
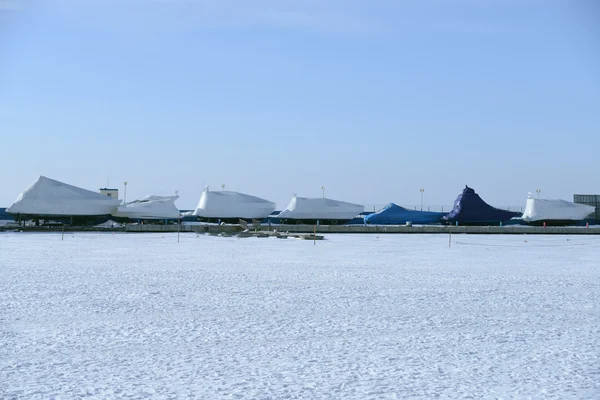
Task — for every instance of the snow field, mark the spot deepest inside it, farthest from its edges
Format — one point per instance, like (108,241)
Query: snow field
(356,316)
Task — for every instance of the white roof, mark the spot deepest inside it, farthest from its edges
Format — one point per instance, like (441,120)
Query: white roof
(558,210)
(50,197)
(150,207)
(226,204)
(320,208)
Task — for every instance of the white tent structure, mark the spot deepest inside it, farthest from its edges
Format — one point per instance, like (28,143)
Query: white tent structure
(48,198)
(232,205)
(560,212)
(303,208)
(109,224)
(150,207)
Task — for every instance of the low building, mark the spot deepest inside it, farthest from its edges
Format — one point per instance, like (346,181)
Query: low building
(114,193)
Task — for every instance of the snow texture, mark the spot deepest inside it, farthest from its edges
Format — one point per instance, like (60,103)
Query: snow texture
(357,317)
(320,208)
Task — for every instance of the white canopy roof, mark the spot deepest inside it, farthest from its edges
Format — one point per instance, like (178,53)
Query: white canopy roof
(558,210)
(226,204)
(320,208)
(150,207)
(48,197)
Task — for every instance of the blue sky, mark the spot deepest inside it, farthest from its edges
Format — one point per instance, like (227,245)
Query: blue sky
(373,100)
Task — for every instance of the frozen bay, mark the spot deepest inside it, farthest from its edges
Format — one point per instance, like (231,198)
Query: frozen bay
(356,316)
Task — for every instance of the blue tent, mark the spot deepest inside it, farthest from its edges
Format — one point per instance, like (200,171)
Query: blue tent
(470,209)
(393,214)
(5,216)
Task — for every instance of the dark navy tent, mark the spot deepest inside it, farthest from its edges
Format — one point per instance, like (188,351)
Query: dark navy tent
(393,214)
(470,209)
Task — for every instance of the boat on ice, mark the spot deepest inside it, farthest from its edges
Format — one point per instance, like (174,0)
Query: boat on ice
(149,208)
(470,209)
(554,212)
(52,200)
(227,206)
(393,214)
(305,210)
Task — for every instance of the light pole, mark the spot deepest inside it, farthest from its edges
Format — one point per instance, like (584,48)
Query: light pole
(125,195)
(538,192)
(422,190)
(323,189)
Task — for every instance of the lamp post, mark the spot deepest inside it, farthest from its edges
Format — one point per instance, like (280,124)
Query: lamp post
(538,192)
(422,190)
(323,189)
(125,195)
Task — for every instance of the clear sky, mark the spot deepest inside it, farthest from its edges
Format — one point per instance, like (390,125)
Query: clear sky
(372,99)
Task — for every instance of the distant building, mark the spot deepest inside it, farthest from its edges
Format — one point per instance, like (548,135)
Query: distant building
(114,193)
(591,200)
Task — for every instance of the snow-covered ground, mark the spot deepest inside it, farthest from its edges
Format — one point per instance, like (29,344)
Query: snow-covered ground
(356,316)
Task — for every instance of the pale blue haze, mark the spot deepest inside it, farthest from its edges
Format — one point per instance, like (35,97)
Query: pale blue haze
(371,99)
